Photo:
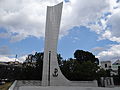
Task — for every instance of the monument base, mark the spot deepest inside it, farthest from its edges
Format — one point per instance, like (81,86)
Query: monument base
(64,88)
(74,85)
(36,83)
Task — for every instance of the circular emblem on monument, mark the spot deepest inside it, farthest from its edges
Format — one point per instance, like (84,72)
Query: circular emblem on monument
(55,74)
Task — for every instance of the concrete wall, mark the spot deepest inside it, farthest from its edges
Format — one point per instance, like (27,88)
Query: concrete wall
(66,88)
(20,83)
(13,85)
(84,83)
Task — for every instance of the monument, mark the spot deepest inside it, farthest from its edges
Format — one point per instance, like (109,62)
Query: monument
(52,75)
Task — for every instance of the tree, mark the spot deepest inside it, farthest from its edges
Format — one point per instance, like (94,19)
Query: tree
(119,71)
(60,59)
(101,73)
(75,71)
(83,56)
(39,65)
(32,70)
(83,67)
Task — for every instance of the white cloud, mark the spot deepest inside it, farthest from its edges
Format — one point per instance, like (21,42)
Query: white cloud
(6,56)
(98,49)
(4,50)
(83,12)
(110,24)
(24,18)
(8,59)
(110,54)
(96,27)
(114,21)
(18,37)
(22,58)
(106,34)
(27,17)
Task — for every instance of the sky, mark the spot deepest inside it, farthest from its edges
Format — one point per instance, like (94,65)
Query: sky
(89,25)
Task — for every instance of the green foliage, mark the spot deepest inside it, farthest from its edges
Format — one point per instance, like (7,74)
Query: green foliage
(76,71)
(33,71)
(84,56)
(83,67)
(101,73)
(119,71)
(59,57)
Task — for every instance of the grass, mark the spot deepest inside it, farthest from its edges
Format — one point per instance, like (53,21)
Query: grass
(5,86)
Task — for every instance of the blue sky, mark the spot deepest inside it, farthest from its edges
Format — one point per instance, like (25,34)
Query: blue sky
(85,25)
(80,38)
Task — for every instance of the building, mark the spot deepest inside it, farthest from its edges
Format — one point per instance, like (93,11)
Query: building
(106,65)
(115,66)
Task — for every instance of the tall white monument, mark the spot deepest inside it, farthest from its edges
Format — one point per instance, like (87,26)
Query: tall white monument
(52,75)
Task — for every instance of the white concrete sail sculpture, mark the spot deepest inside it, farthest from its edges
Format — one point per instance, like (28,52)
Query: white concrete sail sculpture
(52,75)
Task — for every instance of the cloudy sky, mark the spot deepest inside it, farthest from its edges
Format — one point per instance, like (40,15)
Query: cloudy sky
(90,25)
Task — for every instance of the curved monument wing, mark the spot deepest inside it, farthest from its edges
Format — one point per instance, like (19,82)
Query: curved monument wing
(51,72)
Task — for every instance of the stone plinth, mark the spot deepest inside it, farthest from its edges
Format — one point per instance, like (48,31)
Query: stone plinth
(65,88)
